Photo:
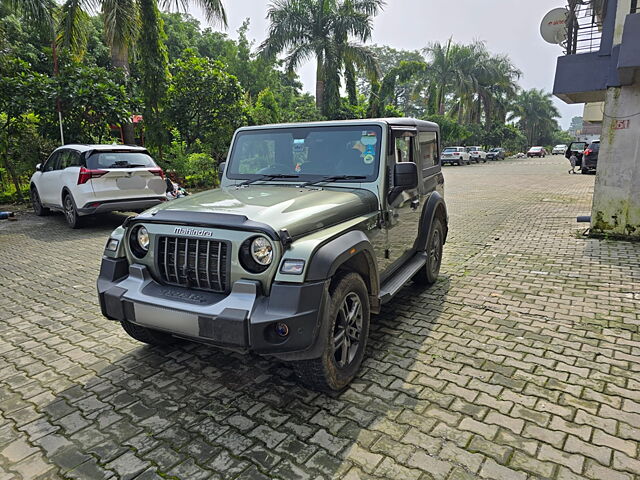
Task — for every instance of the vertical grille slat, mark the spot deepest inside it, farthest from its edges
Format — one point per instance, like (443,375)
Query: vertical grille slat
(189,263)
(197,263)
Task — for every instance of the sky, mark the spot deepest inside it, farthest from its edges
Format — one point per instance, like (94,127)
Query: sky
(507,26)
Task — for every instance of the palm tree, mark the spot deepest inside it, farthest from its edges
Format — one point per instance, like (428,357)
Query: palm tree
(535,113)
(322,29)
(382,92)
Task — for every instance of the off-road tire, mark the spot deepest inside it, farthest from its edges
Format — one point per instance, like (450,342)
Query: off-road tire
(428,275)
(71,212)
(460,163)
(38,209)
(147,335)
(324,373)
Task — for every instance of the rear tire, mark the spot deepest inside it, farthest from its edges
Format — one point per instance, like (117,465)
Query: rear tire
(71,212)
(460,163)
(428,275)
(38,209)
(147,335)
(346,338)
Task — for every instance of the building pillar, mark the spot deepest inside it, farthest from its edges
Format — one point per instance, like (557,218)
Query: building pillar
(616,200)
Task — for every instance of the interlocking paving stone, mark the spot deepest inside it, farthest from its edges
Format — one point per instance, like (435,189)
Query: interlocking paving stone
(522,361)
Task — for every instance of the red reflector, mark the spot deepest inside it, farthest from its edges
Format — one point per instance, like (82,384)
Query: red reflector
(157,172)
(85,175)
(95,204)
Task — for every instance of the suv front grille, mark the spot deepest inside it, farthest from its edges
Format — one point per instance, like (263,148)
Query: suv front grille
(193,263)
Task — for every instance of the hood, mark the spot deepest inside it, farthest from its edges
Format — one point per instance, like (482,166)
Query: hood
(299,210)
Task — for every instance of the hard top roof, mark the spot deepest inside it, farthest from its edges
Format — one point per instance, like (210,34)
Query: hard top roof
(392,122)
(86,147)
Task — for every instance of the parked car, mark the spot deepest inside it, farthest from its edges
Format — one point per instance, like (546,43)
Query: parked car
(455,155)
(578,149)
(289,263)
(589,161)
(477,154)
(82,180)
(559,150)
(496,154)
(537,152)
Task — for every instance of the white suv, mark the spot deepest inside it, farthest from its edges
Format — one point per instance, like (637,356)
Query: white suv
(86,179)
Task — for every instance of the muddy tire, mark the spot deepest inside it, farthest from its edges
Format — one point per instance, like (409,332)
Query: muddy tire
(346,341)
(428,275)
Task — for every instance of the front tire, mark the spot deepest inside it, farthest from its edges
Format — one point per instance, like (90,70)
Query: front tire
(428,275)
(147,335)
(71,212)
(346,339)
(38,209)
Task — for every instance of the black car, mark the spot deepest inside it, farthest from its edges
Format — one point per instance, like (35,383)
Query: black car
(590,157)
(495,154)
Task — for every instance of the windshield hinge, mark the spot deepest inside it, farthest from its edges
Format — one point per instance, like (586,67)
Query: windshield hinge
(285,238)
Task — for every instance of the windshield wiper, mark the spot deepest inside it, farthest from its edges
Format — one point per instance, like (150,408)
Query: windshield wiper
(266,177)
(333,179)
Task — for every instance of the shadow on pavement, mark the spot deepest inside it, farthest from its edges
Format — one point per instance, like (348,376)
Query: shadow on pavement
(191,411)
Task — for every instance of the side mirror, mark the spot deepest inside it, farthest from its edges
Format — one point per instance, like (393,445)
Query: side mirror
(221,167)
(39,167)
(405,177)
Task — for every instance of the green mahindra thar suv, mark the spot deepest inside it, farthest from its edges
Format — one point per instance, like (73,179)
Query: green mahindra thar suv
(314,228)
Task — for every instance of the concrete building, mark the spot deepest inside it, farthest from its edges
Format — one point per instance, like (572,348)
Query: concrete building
(602,64)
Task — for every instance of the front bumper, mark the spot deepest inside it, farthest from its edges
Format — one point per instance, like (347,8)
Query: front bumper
(244,320)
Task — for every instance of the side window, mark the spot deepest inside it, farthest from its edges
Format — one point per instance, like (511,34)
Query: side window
(52,163)
(69,158)
(404,150)
(428,149)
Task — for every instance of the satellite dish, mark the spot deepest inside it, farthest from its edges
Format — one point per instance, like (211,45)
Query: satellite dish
(554,26)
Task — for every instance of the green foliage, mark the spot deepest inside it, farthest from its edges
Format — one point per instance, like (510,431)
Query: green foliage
(323,30)
(452,133)
(204,103)
(266,109)
(535,114)
(154,73)
(91,99)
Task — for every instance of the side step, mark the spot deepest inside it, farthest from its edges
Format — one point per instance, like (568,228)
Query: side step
(398,280)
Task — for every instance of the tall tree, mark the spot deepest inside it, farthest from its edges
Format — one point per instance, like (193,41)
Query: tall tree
(535,113)
(322,29)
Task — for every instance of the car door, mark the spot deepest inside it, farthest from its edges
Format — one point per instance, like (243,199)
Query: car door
(403,215)
(48,183)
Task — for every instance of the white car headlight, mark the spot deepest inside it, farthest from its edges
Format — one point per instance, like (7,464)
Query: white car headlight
(143,238)
(262,251)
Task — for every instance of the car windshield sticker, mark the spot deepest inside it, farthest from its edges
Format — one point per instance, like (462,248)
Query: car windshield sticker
(298,145)
(369,140)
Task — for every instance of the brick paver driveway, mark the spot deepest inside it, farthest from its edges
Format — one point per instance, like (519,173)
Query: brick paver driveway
(523,361)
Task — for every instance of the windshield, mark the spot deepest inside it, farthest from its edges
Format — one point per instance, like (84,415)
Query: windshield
(449,150)
(595,146)
(494,150)
(99,160)
(536,149)
(307,152)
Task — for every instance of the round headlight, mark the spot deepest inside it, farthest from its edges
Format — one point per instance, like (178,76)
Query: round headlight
(262,251)
(143,238)
(139,241)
